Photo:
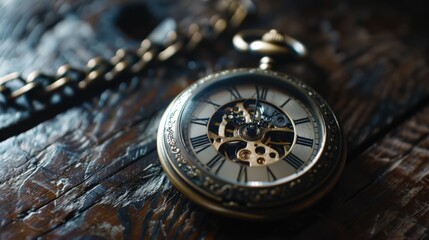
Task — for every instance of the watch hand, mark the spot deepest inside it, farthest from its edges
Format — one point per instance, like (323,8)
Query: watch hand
(256,108)
(279,129)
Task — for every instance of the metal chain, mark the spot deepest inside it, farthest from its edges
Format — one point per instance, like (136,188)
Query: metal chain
(101,73)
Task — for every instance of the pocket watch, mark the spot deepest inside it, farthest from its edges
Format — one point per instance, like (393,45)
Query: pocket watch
(252,143)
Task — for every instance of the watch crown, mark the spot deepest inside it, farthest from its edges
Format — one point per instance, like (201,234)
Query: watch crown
(273,36)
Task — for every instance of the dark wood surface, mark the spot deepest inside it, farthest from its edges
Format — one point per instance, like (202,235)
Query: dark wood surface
(92,171)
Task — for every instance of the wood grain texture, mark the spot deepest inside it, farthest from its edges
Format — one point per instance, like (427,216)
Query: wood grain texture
(92,171)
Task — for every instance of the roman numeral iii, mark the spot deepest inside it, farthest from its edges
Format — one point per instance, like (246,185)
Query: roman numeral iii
(308,142)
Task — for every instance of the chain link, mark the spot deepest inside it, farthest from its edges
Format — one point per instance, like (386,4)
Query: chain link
(101,73)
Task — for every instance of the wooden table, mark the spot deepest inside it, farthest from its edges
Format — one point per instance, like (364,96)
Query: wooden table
(90,169)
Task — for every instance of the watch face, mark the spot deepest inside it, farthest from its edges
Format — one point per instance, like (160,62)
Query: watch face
(250,141)
(251,132)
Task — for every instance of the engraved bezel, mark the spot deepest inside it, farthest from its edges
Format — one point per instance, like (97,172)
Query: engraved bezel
(250,202)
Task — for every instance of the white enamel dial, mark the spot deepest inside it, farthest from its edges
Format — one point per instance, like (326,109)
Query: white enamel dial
(252,133)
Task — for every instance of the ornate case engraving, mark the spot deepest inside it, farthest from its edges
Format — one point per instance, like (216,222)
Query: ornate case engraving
(218,178)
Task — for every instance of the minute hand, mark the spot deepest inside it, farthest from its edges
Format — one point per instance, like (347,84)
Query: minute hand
(255,111)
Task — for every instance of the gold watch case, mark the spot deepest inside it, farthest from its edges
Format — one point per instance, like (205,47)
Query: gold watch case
(256,200)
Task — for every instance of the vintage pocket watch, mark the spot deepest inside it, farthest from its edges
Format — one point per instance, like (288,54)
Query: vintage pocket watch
(252,143)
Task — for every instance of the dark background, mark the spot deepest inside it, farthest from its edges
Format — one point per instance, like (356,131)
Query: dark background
(89,168)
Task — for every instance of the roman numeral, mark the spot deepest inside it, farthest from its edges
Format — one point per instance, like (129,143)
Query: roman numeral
(215,105)
(234,92)
(261,92)
(301,120)
(293,160)
(284,104)
(242,174)
(216,160)
(200,121)
(270,174)
(308,142)
(200,143)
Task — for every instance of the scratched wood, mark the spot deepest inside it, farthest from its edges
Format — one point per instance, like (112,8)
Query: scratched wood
(92,171)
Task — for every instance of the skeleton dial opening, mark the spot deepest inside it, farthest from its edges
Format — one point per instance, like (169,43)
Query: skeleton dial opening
(252,134)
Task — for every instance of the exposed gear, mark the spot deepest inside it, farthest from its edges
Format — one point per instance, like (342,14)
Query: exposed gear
(251,132)
(235,116)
